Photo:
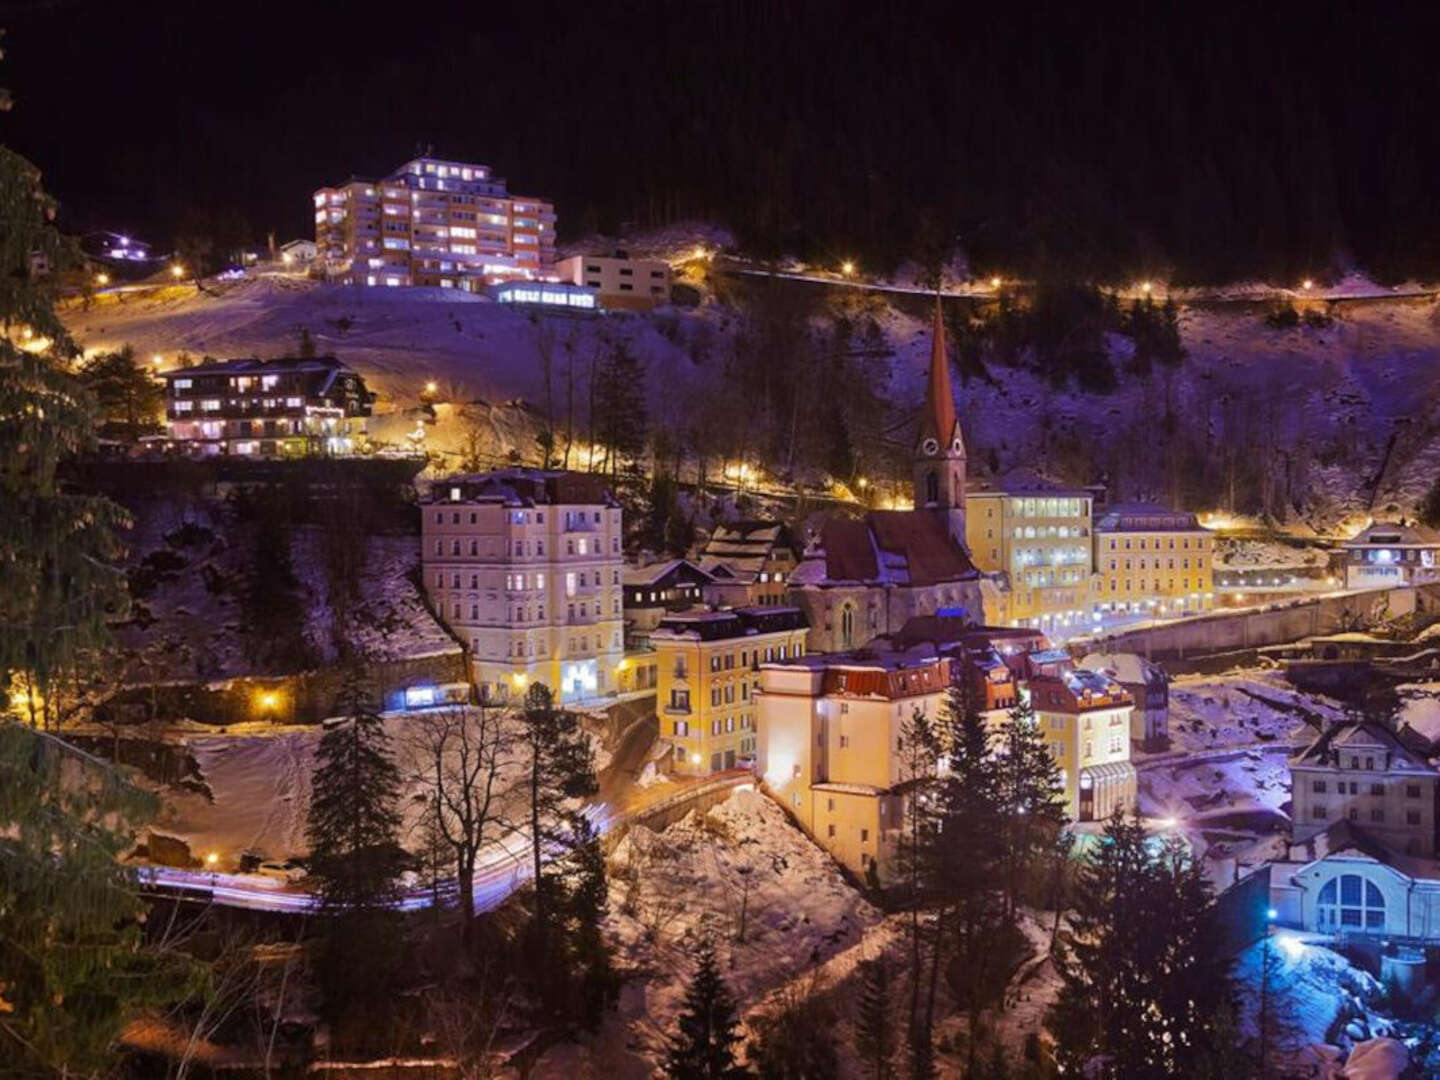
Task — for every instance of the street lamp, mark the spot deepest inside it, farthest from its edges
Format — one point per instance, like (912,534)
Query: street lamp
(1145,287)
(102,279)
(177,270)
(1307,284)
(994,283)
(847,268)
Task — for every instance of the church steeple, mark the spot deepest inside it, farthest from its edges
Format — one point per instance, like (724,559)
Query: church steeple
(940,446)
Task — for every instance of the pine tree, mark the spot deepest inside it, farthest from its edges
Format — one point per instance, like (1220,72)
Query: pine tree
(59,547)
(704,1046)
(128,398)
(874,1031)
(569,882)
(355,855)
(1142,1002)
(620,415)
(75,966)
(1030,798)
(969,851)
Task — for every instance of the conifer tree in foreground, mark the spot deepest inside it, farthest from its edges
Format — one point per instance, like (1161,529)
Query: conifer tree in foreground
(1144,1004)
(58,547)
(1031,800)
(704,1045)
(874,1031)
(355,855)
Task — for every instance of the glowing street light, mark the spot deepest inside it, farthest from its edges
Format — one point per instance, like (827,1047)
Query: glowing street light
(1145,287)
(211,859)
(1307,284)
(847,268)
(431,386)
(286,258)
(862,483)
(157,359)
(102,279)
(994,283)
(177,270)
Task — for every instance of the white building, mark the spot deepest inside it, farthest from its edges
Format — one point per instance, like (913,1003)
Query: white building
(622,282)
(298,252)
(524,566)
(1388,554)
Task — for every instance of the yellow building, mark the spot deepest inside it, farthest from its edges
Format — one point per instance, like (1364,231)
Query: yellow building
(1038,537)
(831,747)
(1084,716)
(708,665)
(1153,560)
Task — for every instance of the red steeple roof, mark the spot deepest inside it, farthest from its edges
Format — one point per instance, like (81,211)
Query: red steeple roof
(938,420)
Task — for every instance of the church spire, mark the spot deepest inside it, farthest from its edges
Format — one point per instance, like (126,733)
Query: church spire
(940,449)
(938,422)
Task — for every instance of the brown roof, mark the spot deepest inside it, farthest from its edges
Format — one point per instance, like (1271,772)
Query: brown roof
(907,547)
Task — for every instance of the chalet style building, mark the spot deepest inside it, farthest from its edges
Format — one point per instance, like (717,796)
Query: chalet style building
(749,563)
(657,588)
(266,408)
(867,577)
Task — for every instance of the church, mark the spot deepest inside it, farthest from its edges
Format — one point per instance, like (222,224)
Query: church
(863,578)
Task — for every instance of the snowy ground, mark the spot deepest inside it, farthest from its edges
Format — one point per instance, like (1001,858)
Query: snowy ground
(670,888)
(1330,398)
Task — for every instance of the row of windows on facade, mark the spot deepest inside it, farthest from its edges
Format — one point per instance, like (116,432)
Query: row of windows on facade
(1046,507)
(1377,815)
(1155,587)
(726,661)
(680,698)
(1170,545)
(1170,565)
(521,548)
(574,519)
(625,286)
(521,613)
(681,728)
(518,582)
(1412,791)
(215,404)
(1044,532)
(625,271)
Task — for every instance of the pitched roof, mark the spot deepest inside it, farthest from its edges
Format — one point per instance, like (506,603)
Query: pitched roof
(654,572)
(939,419)
(1393,533)
(1325,749)
(901,547)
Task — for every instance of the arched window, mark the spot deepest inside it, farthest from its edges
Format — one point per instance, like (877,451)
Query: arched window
(847,626)
(1350,902)
(932,487)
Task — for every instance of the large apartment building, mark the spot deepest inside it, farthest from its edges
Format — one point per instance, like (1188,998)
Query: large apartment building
(831,746)
(708,672)
(285,407)
(432,222)
(620,281)
(524,566)
(1154,560)
(1038,537)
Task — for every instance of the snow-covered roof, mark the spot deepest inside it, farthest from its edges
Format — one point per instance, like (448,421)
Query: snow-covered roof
(1362,735)
(1394,534)
(1128,668)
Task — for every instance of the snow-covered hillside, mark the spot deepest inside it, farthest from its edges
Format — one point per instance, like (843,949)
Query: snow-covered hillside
(1347,409)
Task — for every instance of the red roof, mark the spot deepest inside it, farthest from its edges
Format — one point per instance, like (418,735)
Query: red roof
(916,545)
(938,421)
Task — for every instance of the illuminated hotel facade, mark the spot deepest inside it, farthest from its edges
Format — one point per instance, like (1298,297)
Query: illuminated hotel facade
(445,224)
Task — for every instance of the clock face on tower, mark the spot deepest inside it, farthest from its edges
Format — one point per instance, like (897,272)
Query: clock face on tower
(956,446)
(930,446)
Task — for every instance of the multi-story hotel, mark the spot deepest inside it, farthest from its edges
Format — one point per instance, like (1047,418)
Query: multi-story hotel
(708,665)
(290,406)
(1152,559)
(1389,553)
(1084,716)
(524,566)
(432,222)
(831,747)
(1038,537)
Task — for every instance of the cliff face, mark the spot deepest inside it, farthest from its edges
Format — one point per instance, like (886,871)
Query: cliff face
(1313,423)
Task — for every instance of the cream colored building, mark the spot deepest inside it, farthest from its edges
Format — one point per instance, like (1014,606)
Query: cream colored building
(450,224)
(1362,773)
(831,748)
(708,665)
(1038,538)
(524,566)
(1152,560)
(1084,717)
(623,282)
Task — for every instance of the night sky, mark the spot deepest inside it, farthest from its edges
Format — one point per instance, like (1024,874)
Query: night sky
(1258,139)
